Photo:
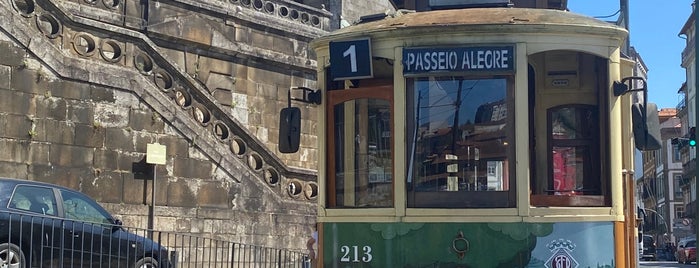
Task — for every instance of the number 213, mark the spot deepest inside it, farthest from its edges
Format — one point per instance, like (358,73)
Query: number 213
(351,254)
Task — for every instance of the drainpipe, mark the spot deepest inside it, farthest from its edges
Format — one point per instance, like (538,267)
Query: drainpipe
(624,7)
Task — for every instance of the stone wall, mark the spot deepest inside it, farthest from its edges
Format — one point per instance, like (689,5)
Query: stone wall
(86,85)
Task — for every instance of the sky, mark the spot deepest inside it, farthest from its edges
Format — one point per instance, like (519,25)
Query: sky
(655,25)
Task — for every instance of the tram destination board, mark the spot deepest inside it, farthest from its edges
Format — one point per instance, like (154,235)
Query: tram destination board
(350,59)
(494,58)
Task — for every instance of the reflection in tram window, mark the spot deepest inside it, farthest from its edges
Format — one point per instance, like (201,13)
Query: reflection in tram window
(573,142)
(460,137)
(363,153)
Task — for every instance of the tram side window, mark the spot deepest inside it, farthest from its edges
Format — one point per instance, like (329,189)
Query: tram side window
(459,130)
(361,157)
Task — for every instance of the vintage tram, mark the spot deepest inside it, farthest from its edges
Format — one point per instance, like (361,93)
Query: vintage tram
(473,136)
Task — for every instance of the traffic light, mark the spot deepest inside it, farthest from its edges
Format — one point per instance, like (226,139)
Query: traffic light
(692,137)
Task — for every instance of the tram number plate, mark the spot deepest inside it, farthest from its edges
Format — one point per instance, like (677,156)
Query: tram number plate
(350,59)
(356,254)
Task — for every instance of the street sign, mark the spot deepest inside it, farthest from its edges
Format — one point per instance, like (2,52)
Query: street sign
(155,154)
(350,59)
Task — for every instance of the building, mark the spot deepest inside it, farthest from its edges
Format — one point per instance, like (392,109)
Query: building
(661,197)
(686,112)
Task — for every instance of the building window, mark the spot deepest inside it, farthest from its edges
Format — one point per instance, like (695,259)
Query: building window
(676,187)
(676,156)
(661,187)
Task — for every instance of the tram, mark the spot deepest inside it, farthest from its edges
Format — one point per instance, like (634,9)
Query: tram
(477,134)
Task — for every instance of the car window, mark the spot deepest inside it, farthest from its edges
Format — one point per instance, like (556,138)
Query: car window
(692,243)
(77,207)
(34,199)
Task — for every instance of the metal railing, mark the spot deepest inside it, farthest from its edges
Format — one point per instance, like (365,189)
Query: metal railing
(35,240)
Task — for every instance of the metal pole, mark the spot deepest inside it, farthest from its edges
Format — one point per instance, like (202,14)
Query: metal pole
(696,113)
(151,209)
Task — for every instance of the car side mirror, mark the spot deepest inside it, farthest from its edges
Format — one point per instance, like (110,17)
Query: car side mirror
(117,225)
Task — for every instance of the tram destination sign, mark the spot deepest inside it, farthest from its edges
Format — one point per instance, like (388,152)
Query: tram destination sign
(458,59)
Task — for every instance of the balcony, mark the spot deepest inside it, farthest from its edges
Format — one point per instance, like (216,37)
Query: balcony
(687,50)
(682,108)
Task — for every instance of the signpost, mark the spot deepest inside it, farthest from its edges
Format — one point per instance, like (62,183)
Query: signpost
(155,155)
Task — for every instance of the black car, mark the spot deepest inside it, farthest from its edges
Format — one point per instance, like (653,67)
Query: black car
(45,225)
(648,252)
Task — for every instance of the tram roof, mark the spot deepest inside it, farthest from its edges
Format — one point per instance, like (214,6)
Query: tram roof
(478,20)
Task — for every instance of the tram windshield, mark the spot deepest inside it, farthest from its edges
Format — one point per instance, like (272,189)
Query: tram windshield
(459,129)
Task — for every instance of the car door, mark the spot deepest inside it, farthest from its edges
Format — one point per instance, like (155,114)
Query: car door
(36,223)
(90,229)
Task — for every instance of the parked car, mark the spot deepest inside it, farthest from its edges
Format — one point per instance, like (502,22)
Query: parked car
(45,225)
(687,251)
(648,252)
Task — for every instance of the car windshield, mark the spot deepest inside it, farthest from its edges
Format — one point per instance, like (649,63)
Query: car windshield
(692,243)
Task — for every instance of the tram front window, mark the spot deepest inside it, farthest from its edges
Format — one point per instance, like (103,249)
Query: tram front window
(459,133)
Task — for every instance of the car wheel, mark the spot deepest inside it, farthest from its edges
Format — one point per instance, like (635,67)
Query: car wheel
(11,256)
(146,262)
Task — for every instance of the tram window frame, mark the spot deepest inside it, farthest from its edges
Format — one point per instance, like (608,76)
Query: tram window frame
(336,196)
(542,192)
(461,198)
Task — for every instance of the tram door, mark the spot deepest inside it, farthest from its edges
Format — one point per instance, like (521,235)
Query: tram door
(568,129)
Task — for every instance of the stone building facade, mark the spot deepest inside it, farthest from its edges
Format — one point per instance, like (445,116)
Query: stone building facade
(86,85)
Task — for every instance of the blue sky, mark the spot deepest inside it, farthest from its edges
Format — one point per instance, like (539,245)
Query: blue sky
(654,28)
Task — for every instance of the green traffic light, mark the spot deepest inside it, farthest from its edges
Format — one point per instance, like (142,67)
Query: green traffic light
(692,143)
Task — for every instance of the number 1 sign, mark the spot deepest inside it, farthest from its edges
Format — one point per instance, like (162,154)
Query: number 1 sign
(350,59)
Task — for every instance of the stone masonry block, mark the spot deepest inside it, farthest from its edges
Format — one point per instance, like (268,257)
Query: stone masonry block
(175,146)
(181,194)
(21,126)
(135,191)
(145,120)
(223,96)
(39,153)
(14,151)
(105,187)
(191,168)
(106,160)
(119,139)
(100,94)
(14,102)
(64,176)
(261,40)
(5,72)
(71,156)
(14,170)
(70,90)
(283,45)
(80,112)
(55,108)
(53,131)
(212,194)
(11,55)
(25,80)
(89,136)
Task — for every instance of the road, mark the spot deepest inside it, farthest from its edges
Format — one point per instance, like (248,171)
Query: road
(667,264)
